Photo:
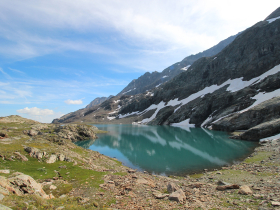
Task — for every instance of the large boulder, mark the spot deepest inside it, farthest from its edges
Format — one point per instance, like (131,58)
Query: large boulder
(24,184)
(261,131)
(264,112)
(178,196)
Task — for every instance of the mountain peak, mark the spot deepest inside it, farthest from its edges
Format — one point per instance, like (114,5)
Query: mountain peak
(274,14)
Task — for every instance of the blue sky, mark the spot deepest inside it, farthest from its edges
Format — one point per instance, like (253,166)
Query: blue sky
(56,56)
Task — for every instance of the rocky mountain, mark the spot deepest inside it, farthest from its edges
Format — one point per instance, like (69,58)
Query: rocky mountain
(229,91)
(97,101)
(77,115)
(149,80)
(146,82)
(238,89)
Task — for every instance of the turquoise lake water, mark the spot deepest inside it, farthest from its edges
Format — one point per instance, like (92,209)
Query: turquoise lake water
(169,150)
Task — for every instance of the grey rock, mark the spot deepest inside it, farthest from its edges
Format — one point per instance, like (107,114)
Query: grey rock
(245,190)
(262,130)
(22,157)
(61,157)
(171,187)
(178,196)
(52,159)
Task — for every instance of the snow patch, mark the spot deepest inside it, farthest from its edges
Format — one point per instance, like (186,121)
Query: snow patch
(234,85)
(184,123)
(186,68)
(110,118)
(271,138)
(165,76)
(117,101)
(128,114)
(158,84)
(214,58)
(129,90)
(272,19)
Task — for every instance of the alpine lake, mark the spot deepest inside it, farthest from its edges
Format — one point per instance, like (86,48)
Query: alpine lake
(168,150)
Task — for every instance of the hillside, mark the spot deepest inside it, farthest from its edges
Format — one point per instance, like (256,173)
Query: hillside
(41,168)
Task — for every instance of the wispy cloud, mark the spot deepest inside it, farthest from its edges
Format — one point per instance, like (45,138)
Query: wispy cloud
(42,27)
(18,90)
(73,101)
(5,74)
(38,114)
(36,111)
(17,71)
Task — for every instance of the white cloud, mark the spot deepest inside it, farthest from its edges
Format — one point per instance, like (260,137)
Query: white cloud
(36,111)
(73,101)
(190,26)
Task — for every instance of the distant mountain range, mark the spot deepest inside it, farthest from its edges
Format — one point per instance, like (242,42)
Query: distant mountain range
(234,85)
(97,101)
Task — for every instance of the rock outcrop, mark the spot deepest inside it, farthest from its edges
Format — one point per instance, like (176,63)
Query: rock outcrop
(21,184)
(75,132)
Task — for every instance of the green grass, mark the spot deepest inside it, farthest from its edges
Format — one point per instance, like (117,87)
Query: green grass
(196,176)
(258,157)
(42,170)
(120,173)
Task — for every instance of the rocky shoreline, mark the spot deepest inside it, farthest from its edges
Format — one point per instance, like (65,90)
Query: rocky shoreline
(65,176)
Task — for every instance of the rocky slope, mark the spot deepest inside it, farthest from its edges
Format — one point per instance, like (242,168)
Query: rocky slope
(233,90)
(243,75)
(79,114)
(97,101)
(37,171)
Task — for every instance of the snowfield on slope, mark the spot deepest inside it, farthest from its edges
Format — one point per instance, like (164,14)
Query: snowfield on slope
(234,85)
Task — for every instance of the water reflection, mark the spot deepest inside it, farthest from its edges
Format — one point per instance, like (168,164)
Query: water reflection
(169,150)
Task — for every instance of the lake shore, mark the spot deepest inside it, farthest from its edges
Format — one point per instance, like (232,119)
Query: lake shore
(91,180)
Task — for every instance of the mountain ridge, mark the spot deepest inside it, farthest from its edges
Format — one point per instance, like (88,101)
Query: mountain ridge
(215,90)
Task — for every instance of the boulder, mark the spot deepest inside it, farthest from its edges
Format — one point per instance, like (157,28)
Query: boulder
(245,190)
(171,187)
(3,191)
(178,196)
(22,157)
(52,159)
(262,130)
(27,185)
(7,171)
(275,203)
(61,157)
(3,135)
(32,132)
(225,187)
(159,195)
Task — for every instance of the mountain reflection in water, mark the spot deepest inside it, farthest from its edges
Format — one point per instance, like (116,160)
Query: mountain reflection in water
(169,150)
